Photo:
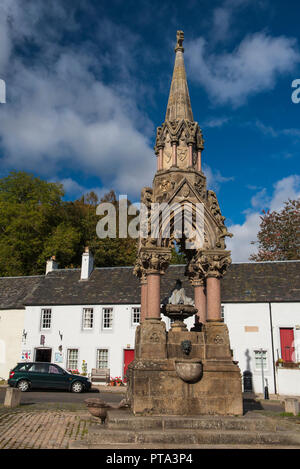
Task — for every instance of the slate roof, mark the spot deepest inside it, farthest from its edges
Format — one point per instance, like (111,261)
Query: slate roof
(244,282)
(14,290)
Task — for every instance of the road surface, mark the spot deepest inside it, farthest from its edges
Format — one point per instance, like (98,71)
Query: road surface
(41,396)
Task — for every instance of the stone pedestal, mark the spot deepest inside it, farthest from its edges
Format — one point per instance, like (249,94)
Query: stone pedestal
(12,397)
(155,386)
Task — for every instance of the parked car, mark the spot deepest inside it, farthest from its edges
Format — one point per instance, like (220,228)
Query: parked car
(27,376)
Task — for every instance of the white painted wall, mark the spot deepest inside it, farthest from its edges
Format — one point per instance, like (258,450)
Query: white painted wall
(11,329)
(238,316)
(288,381)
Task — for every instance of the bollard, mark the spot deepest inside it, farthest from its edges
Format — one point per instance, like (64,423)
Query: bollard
(292,406)
(12,397)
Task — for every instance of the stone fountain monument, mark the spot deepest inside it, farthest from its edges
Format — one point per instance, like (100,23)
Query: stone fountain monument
(182,372)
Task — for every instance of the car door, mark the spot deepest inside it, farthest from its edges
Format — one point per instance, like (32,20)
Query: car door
(58,378)
(37,374)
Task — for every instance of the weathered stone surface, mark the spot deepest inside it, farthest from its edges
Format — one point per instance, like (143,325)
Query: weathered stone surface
(156,389)
(292,406)
(12,397)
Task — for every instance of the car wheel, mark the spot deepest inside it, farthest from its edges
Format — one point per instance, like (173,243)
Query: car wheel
(23,385)
(77,386)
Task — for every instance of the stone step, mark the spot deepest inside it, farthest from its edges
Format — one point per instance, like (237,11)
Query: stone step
(103,435)
(120,421)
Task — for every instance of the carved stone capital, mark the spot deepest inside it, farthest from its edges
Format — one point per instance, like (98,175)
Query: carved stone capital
(195,274)
(210,263)
(139,271)
(155,260)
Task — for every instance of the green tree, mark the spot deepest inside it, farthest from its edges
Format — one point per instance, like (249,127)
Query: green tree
(29,209)
(279,235)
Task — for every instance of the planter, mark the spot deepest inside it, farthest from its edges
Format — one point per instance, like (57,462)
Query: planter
(97,408)
(189,371)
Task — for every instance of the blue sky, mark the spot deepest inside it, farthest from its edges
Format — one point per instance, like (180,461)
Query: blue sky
(88,83)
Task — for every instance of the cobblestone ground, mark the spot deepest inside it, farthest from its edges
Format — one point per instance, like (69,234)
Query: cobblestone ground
(42,430)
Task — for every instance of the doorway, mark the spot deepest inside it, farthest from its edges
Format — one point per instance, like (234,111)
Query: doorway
(287,344)
(128,358)
(43,354)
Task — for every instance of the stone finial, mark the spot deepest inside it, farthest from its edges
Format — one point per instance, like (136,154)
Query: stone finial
(180,39)
(179,104)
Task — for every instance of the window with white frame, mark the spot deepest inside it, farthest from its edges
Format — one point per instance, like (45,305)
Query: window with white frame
(72,359)
(87,318)
(46,318)
(135,315)
(102,358)
(260,357)
(107,318)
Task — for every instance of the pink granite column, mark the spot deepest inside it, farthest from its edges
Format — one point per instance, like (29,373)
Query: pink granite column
(213,294)
(144,289)
(153,295)
(200,301)
(174,154)
(190,155)
(199,161)
(160,160)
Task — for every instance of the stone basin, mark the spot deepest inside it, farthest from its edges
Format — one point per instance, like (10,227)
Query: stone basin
(189,371)
(179,312)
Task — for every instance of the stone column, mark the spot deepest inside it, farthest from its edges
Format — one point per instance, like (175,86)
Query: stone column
(199,161)
(160,159)
(190,154)
(153,295)
(174,154)
(200,300)
(144,304)
(213,294)
(154,261)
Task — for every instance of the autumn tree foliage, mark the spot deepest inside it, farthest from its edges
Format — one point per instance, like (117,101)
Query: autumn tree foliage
(279,236)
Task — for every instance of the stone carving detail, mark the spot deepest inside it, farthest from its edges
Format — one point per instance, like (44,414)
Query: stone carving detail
(155,260)
(208,264)
(154,338)
(178,296)
(218,340)
(182,132)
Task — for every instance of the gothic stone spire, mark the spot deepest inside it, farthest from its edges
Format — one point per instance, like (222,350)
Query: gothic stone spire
(179,104)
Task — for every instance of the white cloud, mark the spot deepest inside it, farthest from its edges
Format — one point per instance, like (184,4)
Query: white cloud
(61,114)
(286,188)
(249,69)
(215,178)
(216,121)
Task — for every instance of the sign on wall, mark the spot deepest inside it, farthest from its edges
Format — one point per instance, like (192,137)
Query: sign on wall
(58,357)
(26,355)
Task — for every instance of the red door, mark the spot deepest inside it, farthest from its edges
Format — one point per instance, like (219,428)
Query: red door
(287,344)
(128,358)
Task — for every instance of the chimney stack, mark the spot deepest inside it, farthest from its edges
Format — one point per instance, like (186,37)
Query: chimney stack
(51,264)
(87,264)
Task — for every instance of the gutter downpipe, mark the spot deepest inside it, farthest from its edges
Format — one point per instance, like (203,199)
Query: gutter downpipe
(272,341)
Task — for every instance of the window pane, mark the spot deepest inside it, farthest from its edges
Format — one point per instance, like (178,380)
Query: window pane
(102,358)
(53,369)
(107,318)
(39,368)
(72,362)
(46,318)
(136,315)
(88,318)
(258,359)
